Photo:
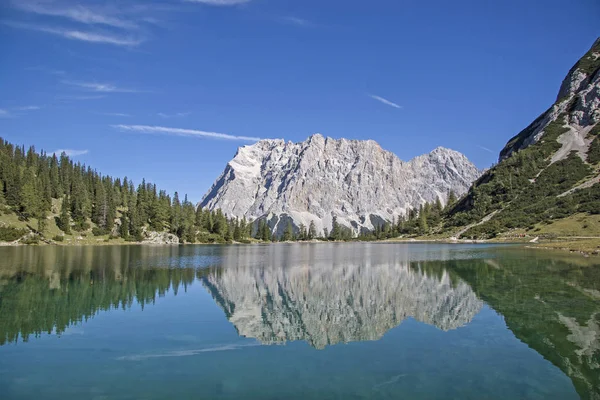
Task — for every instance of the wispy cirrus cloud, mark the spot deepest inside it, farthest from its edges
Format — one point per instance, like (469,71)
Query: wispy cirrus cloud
(70,152)
(16,112)
(385,101)
(114,114)
(78,98)
(219,2)
(85,36)
(301,22)
(28,108)
(46,70)
(77,13)
(175,115)
(486,149)
(100,87)
(161,130)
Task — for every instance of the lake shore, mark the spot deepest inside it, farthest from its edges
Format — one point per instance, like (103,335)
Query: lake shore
(584,246)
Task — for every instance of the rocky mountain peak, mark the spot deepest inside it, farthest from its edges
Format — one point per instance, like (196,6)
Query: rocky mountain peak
(355,181)
(577,107)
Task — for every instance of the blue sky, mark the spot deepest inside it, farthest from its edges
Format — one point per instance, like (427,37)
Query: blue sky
(131,87)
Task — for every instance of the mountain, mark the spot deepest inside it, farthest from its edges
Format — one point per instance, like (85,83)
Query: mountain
(350,297)
(355,181)
(550,170)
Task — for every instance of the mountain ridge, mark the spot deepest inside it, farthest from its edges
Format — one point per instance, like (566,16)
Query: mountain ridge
(548,171)
(314,181)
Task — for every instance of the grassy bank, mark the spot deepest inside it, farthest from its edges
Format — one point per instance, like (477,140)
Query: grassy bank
(589,246)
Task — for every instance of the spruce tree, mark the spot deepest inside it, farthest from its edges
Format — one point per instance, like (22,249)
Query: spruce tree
(423,227)
(30,199)
(312,231)
(124,228)
(237,232)
(288,234)
(42,223)
(64,220)
(451,199)
(335,229)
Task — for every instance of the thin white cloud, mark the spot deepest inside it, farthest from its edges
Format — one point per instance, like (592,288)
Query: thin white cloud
(100,87)
(296,21)
(114,114)
(91,37)
(28,108)
(70,152)
(77,13)
(161,130)
(385,101)
(4,113)
(486,149)
(176,115)
(219,2)
(46,70)
(77,98)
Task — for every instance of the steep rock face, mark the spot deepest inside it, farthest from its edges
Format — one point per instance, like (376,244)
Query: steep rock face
(548,171)
(326,302)
(356,181)
(578,99)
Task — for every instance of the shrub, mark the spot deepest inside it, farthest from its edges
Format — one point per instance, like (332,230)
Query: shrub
(593,155)
(33,239)
(10,233)
(81,226)
(96,231)
(59,238)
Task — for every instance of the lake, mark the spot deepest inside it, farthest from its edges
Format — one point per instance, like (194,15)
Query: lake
(298,321)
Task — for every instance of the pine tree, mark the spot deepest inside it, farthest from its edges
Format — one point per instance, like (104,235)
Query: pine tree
(111,212)
(260,230)
(42,223)
(237,231)
(266,231)
(100,206)
(124,228)
(64,220)
(288,234)
(335,229)
(302,233)
(30,199)
(312,231)
(199,220)
(451,199)
(13,185)
(423,227)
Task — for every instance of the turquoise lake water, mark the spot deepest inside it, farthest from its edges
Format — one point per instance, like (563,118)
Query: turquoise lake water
(298,321)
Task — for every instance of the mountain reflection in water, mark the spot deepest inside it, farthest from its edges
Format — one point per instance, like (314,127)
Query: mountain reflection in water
(338,301)
(321,294)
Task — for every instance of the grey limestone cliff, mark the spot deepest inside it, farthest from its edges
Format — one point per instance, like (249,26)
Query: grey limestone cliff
(578,102)
(312,181)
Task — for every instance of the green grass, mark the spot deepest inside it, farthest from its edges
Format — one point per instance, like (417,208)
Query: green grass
(593,155)
(580,224)
(588,63)
(588,246)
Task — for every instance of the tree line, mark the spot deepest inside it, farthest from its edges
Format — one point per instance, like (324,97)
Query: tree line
(30,181)
(38,185)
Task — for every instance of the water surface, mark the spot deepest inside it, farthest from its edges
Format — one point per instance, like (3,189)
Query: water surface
(324,321)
